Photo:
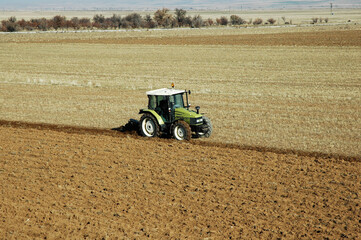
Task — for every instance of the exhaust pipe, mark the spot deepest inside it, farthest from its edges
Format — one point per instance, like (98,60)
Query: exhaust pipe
(197,108)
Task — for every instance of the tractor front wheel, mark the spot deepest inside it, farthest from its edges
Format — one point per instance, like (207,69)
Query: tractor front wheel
(206,129)
(181,131)
(149,126)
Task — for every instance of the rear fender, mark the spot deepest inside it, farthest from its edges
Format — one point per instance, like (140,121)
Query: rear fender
(156,115)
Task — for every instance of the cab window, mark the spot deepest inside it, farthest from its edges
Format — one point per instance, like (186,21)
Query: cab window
(156,101)
(177,101)
(152,102)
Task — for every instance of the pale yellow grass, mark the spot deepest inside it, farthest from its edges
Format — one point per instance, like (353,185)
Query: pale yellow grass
(302,98)
(297,16)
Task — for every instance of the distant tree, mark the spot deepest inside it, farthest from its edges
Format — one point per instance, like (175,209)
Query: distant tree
(9,25)
(125,24)
(12,19)
(148,18)
(134,20)
(69,24)
(180,16)
(314,20)
(99,18)
(187,21)
(236,20)
(58,22)
(34,23)
(75,23)
(222,21)
(257,21)
(41,24)
(85,22)
(163,18)
(197,21)
(271,21)
(115,21)
(209,22)
(149,23)
(99,21)
(22,23)
(174,23)
(28,26)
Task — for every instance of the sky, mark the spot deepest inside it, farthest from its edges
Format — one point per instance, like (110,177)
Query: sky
(171,4)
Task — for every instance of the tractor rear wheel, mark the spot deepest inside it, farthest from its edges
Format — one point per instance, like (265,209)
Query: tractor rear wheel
(181,131)
(148,126)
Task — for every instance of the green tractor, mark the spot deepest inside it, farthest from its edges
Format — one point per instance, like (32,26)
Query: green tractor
(168,113)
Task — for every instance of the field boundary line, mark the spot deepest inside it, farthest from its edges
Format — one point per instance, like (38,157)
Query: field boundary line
(117,133)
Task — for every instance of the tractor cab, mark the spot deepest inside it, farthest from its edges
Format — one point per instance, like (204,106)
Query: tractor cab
(168,112)
(165,101)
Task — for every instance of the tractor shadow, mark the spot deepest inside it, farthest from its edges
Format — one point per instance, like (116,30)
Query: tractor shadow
(132,128)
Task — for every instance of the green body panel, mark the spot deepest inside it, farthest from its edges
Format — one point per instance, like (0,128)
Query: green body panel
(179,114)
(187,115)
(155,114)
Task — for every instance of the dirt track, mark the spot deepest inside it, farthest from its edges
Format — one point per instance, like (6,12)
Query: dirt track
(85,184)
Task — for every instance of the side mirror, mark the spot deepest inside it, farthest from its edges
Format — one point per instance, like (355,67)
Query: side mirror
(189,92)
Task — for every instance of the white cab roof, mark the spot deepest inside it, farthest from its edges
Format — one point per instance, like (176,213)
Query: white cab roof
(165,92)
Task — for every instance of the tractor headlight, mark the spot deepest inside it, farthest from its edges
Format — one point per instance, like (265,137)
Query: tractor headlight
(196,121)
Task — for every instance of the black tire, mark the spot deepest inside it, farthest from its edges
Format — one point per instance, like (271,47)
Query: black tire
(181,131)
(206,127)
(148,126)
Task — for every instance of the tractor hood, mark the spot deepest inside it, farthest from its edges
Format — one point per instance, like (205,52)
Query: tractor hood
(190,117)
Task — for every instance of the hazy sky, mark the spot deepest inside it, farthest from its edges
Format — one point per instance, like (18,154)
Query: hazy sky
(154,4)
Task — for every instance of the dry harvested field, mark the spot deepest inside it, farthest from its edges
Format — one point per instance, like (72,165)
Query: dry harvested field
(287,88)
(67,182)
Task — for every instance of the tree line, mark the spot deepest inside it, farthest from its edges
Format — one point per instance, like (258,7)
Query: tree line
(162,18)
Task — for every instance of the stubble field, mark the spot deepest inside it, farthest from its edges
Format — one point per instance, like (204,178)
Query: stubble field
(283,162)
(286,88)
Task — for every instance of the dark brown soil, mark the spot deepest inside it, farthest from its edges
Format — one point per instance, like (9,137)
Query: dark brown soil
(80,183)
(316,38)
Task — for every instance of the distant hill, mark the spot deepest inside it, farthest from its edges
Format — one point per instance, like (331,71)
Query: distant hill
(156,4)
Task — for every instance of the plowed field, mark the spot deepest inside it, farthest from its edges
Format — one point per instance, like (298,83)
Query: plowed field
(304,38)
(68,182)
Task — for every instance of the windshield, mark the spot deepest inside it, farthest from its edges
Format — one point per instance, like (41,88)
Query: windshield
(177,100)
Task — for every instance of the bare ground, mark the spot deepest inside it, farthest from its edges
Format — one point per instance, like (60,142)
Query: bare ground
(348,37)
(69,182)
